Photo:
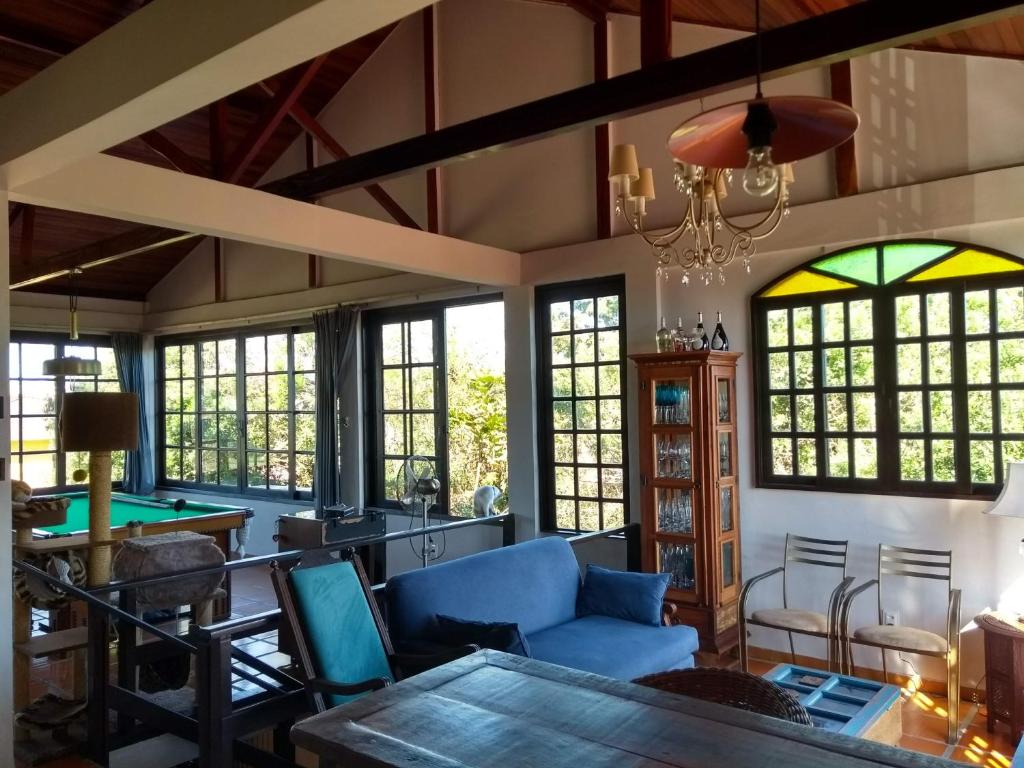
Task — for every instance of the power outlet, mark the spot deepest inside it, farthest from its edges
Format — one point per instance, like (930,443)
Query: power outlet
(890,618)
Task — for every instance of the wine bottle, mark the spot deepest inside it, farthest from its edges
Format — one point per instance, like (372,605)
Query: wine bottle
(719,340)
(679,336)
(664,338)
(704,343)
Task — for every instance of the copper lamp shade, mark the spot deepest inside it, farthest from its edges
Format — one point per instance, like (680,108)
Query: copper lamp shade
(100,421)
(806,126)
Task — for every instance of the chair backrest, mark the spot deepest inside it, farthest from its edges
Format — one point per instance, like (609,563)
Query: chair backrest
(338,630)
(825,553)
(907,562)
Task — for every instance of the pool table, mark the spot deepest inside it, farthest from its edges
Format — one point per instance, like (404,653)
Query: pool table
(157,516)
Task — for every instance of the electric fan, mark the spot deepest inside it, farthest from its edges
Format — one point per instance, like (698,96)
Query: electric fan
(418,486)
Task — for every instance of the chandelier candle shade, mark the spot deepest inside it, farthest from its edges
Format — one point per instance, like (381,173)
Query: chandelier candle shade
(764,137)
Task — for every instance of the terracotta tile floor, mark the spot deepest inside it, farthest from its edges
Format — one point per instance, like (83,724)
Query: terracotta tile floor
(924,729)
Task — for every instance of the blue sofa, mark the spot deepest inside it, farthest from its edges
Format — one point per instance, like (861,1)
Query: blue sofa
(533,584)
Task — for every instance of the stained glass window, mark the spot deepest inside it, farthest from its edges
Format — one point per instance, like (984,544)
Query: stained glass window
(892,368)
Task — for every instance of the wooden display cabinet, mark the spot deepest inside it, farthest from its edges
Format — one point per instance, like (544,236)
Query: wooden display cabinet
(689,488)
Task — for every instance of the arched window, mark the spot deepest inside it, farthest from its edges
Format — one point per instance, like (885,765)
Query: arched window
(894,367)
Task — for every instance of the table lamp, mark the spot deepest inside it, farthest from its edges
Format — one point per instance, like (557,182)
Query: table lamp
(99,422)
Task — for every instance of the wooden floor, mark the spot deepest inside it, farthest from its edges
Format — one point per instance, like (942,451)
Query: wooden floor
(924,716)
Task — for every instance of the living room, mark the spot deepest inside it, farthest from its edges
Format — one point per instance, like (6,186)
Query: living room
(494,311)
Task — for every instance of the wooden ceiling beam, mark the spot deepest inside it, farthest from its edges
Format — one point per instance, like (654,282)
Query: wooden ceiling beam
(432,113)
(173,154)
(295,83)
(313,127)
(15,211)
(602,137)
(655,31)
(28,234)
(594,10)
(131,243)
(859,29)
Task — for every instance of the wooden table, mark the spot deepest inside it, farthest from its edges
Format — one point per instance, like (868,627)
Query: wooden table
(493,710)
(1004,670)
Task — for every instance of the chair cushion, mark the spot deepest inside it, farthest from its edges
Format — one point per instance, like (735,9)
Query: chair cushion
(533,584)
(338,625)
(496,635)
(615,647)
(622,595)
(792,618)
(902,637)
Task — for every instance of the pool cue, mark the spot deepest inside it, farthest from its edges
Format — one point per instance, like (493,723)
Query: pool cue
(177,505)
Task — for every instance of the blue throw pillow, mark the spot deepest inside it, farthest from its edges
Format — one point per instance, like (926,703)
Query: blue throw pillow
(622,595)
(496,635)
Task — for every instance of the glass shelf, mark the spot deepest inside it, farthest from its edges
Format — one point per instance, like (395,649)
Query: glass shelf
(674,454)
(677,560)
(675,511)
(672,402)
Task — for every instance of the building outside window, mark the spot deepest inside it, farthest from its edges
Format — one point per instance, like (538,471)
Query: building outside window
(581,371)
(237,412)
(35,402)
(435,387)
(892,368)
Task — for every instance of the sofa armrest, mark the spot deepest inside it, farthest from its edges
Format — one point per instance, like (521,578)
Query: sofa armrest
(668,612)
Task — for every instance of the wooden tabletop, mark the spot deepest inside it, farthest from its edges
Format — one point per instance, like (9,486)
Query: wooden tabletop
(493,710)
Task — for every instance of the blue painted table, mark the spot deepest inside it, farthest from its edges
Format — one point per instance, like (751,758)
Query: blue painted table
(844,704)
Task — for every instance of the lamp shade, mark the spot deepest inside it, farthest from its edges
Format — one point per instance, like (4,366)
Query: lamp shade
(623,162)
(99,421)
(644,185)
(1010,502)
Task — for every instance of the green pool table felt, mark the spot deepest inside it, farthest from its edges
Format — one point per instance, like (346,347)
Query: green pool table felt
(123,510)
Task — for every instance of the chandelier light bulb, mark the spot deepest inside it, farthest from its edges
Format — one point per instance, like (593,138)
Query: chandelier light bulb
(761,176)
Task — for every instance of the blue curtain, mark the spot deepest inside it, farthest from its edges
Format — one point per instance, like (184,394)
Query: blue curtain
(138,465)
(335,334)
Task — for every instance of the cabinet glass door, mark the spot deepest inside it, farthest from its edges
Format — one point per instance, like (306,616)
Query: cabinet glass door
(672,401)
(678,561)
(675,510)
(673,454)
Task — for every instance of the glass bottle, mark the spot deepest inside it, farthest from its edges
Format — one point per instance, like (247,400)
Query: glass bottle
(704,343)
(679,336)
(664,338)
(719,340)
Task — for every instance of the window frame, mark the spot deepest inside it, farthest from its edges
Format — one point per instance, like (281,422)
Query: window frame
(373,388)
(887,388)
(60,343)
(239,336)
(544,297)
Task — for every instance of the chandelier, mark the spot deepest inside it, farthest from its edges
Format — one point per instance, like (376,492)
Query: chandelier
(764,137)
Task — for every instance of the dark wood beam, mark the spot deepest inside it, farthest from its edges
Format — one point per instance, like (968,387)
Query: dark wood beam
(845,154)
(312,126)
(655,31)
(131,243)
(28,234)
(819,41)
(287,95)
(218,270)
(14,212)
(312,261)
(173,154)
(217,116)
(13,32)
(594,10)
(431,113)
(602,137)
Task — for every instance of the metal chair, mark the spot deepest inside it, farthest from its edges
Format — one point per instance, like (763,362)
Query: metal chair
(803,551)
(904,562)
(740,690)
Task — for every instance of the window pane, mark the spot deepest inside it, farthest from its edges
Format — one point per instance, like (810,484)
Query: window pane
(942,411)
(608,311)
(1010,309)
(586,384)
(586,414)
(834,321)
(803,326)
(982,461)
(835,367)
(277,352)
(421,341)
(861,320)
(803,367)
(838,457)
(1011,410)
(979,362)
(611,448)
(782,456)
(938,314)
(583,314)
(865,457)
(807,458)
(908,316)
(392,389)
(837,419)
(912,460)
(422,388)
(32,358)
(1011,360)
(976,312)
(611,414)
(39,469)
(561,382)
(781,421)
(561,350)
(778,328)
(608,346)
(911,412)
(862,366)
(583,347)
(864,411)
(805,413)
(940,362)
(979,411)
(611,379)
(304,351)
(778,370)
(908,363)
(943,465)
(392,345)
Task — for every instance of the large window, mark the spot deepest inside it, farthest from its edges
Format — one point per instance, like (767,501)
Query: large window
(581,338)
(36,400)
(237,413)
(436,388)
(892,368)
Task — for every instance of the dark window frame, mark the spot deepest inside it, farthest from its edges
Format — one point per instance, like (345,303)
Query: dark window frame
(374,459)
(239,336)
(60,343)
(886,387)
(544,297)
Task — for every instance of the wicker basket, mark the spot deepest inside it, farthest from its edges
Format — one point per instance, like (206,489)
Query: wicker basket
(733,688)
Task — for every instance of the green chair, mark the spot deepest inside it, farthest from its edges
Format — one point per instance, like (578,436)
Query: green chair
(339,636)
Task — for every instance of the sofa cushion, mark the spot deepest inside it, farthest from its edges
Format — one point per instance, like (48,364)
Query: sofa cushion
(614,647)
(622,595)
(496,635)
(533,584)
